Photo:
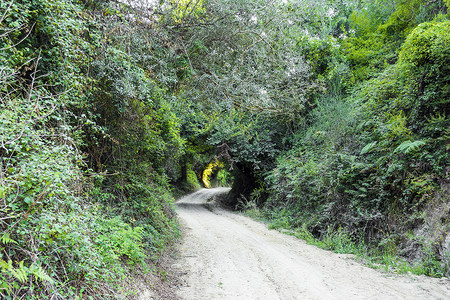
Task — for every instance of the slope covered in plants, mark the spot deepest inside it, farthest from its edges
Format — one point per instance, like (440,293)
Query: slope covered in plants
(87,146)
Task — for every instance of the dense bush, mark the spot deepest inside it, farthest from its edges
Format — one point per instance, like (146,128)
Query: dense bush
(375,162)
(87,146)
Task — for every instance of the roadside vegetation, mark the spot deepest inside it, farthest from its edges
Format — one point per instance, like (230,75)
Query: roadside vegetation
(328,118)
(372,162)
(87,142)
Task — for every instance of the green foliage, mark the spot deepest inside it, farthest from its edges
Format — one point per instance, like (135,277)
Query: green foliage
(352,144)
(341,241)
(380,29)
(224,178)
(424,62)
(368,148)
(192,181)
(305,176)
(184,9)
(408,146)
(21,274)
(358,162)
(124,241)
(252,140)
(386,259)
(235,69)
(73,103)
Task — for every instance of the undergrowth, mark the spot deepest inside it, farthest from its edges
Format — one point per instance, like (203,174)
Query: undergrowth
(84,190)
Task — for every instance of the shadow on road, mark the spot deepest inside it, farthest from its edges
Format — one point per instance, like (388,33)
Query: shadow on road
(204,198)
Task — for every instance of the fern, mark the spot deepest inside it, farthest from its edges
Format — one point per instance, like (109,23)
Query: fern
(22,273)
(367,148)
(19,273)
(40,274)
(4,265)
(6,239)
(409,146)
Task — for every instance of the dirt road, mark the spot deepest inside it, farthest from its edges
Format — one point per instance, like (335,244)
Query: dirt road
(228,256)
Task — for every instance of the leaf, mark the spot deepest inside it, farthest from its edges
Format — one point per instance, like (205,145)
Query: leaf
(28,200)
(363,189)
(367,148)
(4,264)
(7,240)
(40,274)
(19,273)
(409,146)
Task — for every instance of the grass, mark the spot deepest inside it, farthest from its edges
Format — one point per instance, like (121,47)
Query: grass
(340,241)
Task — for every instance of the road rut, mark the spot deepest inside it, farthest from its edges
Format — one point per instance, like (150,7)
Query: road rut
(229,256)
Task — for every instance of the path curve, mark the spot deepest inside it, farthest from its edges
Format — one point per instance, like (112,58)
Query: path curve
(229,256)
